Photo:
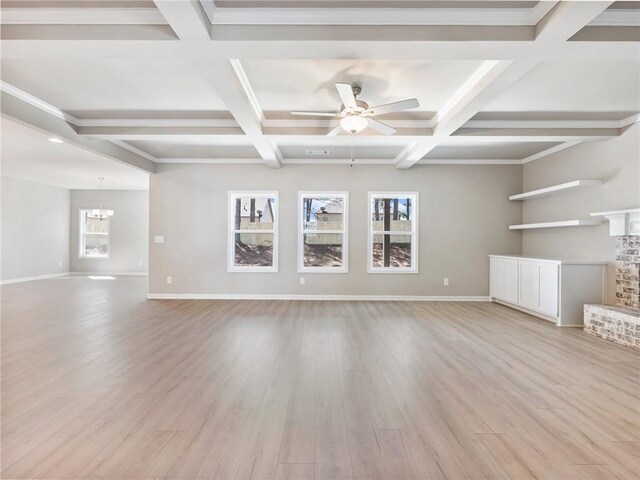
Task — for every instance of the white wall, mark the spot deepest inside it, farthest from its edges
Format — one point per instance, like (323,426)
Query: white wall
(617,163)
(35,229)
(464,215)
(129,231)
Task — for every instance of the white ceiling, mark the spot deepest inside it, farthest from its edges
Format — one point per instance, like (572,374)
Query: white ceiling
(114,84)
(29,155)
(283,85)
(574,87)
(205,81)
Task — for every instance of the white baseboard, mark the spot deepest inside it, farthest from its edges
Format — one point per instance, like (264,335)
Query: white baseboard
(124,274)
(385,298)
(30,279)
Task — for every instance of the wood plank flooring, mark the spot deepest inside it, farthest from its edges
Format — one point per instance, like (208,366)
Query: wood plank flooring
(99,383)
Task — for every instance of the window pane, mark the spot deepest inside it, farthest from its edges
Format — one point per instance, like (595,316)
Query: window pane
(391,251)
(253,249)
(323,213)
(254,213)
(391,214)
(96,245)
(322,250)
(95,225)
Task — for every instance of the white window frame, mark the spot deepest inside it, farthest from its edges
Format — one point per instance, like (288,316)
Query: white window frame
(414,233)
(82,234)
(344,232)
(231,231)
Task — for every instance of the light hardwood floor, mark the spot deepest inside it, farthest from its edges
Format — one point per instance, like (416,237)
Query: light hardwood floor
(98,382)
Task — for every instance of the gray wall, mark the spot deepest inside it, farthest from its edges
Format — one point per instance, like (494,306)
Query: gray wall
(35,229)
(129,231)
(464,214)
(617,163)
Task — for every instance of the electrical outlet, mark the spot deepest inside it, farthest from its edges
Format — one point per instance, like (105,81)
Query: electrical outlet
(60,264)
(302,280)
(158,239)
(169,280)
(140,264)
(446,282)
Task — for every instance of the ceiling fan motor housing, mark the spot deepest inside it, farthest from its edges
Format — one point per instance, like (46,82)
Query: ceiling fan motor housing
(360,107)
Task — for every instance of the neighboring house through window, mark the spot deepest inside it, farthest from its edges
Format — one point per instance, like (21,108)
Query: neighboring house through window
(393,232)
(253,232)
(94,234)
(323,232)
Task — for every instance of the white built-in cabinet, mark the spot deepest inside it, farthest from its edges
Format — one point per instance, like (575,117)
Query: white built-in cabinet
(555,290)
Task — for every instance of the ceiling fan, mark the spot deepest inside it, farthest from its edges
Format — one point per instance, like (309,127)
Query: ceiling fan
(355,115)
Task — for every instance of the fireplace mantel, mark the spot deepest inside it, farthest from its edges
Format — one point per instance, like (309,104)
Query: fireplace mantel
(622,222)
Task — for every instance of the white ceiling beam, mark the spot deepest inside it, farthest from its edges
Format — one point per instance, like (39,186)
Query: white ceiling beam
(82,16)
(133,132)
(516,124)
(468,161)
(156,122)
(549,151)
(630,120)
(488,81)
(187,18)
(425,50)
(617,17)
(585,133)
(210,8)
(222,136)
(45,120)
(532,137)
(375,16)
(567,18)
(233,87)
(493,78)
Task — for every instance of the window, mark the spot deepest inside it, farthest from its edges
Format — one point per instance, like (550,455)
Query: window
(94,234)
(253,232)
(322,232)
(393,232)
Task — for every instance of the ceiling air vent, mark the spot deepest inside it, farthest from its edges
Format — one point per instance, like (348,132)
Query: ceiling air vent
(317,152)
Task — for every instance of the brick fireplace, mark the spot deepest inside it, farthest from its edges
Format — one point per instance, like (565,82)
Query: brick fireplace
(628,271)
(620,323)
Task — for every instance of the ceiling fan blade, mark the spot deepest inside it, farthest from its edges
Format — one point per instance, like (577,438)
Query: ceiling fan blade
(335,131)
(346,95)
(317,114)
(381,127)
(393,107)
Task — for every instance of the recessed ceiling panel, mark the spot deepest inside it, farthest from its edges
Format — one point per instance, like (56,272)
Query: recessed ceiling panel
(114,84)
(285,85)
(491,151)
(27,154)
(574,87)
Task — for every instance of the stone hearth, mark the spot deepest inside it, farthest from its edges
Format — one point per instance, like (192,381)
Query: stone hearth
(617,324)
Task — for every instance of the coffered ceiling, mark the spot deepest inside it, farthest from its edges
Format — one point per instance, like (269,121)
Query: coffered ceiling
(146,82)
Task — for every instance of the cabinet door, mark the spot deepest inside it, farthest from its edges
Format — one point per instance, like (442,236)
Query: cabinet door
(529,285)
(496,278)
(511,281)
(549,289)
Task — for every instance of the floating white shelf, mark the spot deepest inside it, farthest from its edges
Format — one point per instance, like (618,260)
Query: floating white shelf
(564,223)
(555,188)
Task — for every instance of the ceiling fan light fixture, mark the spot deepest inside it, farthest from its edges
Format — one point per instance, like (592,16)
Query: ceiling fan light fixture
(354,123)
